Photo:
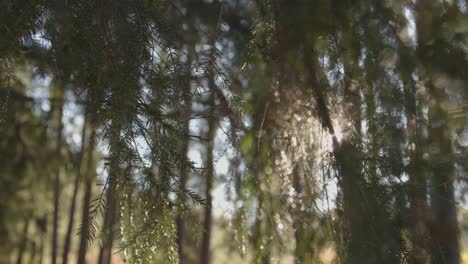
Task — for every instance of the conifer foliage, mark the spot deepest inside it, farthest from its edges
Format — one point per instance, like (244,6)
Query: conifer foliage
(336,130)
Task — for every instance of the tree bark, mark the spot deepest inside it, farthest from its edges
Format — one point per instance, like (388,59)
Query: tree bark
(41,224)
(207,225)
(417,182)
(346,154)
(24,241)
(105,253)
(41,252)
(445,235)
(89,175)
(32,259)
(444,225)
(298,219)
(180,221)
(59,109)
(85,222)
(184,168)
(76,185)
(350,163)
(56,217)
(68,235)
(110,217)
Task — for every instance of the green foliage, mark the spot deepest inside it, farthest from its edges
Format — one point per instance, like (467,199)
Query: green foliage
(345,124)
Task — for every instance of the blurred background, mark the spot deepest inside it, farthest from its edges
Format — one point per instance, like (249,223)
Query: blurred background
(210,131)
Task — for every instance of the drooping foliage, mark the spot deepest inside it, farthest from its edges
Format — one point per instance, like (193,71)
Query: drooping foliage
(341,126)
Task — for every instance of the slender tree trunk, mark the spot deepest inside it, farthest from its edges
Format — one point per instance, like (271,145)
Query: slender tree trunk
(56,217)
(207,225)
(85,222)
(24,241)
(32,259)
(261,254)
(76,185)
(346,154)
(89,175)
(110,217)
(59,110)
(42,227)
(68,236)
(41,252)
(298,220)
(417,182)
(444,225)
(180,221)
(350,164)
(105,253)
(128,221)
(184,168)
(445,235)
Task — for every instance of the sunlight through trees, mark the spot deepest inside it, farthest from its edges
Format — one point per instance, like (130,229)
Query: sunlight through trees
(215,131)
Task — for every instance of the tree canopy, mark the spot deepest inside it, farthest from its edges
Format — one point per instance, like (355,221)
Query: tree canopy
(267,131)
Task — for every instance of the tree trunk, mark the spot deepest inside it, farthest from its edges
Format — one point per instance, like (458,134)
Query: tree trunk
(24,241)
(56,217)
(261,142)
(444,225)
(68,236)
(41,224)
(59,112)
(180,221)
(41,252)
(105,253)
(445,237)
(71,219)
(350,164)
(346,155)
(417,182)
(32,259)
(262,255)
(110,217)
(298,219)
(184,168)
(205,249)
(85,222)
(89,175)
